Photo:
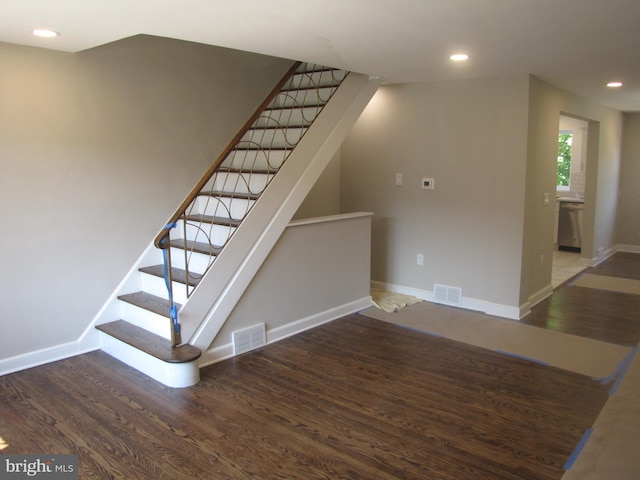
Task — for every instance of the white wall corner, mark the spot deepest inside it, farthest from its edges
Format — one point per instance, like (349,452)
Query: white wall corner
(539,296)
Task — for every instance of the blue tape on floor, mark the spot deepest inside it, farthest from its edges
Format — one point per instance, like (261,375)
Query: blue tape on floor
(576,452)
(574,280)
(619,372)
(522,357)
(433,334)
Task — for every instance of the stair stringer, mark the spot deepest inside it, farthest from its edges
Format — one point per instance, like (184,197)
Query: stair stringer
(219,291)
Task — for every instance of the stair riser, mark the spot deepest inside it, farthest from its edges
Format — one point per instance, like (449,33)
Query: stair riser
(198,263)
(145,319)
(242,183)
(272,138)
(235,208)
(316,79)
(255,160)
(216,235)
(157,286)
(288,116)
(302,98)
(175,375)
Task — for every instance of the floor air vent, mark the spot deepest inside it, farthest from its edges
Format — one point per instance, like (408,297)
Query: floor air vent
(249,338)
(447,294)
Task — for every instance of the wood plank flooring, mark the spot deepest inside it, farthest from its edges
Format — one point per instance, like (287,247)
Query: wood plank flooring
(622,264)
(592,313)
(355,399)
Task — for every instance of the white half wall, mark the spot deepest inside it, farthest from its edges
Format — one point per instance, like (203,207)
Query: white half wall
(318,271)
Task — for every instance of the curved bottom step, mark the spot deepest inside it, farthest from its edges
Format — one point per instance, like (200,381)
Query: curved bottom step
(151,354)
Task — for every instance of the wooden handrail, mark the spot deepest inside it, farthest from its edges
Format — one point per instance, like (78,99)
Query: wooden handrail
(164,233)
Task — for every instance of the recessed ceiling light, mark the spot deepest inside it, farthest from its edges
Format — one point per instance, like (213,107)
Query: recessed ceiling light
(45,33)
(614,84)
(459,57)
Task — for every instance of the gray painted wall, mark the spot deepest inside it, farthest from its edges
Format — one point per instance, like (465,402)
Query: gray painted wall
(491,146)
(470,136)
(314,269)
(98,149)
(628,225)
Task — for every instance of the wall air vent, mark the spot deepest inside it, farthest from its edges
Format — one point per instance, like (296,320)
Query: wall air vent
(249,338)
(447,295)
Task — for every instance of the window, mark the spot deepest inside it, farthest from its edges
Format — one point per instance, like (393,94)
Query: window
(565,138)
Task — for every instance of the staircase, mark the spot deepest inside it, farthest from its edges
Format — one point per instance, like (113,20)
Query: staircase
(147,333)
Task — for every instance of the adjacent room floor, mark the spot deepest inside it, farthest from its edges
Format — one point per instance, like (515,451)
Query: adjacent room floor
(593,331)
(565,265)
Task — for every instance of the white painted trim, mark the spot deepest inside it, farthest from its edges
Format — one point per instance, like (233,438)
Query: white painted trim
(224,352)
(217,354)
(175,375)
(538,297)
(47,355)
(328,218)
(490,308)
(628,248)
(111,310)
(317,319)
(586,262)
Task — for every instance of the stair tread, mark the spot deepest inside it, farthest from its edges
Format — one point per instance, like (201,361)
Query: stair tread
(257,171)
(260,148)
(177,274)
(280,127)
(198,247)
(214,220)
(150,343)
(149,302)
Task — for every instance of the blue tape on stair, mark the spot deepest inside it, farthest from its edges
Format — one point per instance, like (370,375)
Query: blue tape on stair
(173,310)
(522,357)
(576,452)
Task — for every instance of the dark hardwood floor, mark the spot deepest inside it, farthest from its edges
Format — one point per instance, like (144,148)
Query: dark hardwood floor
(356,399)
(598,314)
(622,264)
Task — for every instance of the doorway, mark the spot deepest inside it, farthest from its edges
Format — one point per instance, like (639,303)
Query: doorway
(571,172)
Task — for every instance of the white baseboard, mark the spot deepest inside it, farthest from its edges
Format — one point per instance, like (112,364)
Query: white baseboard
(91,341)
(88,343)
(628,248)
(535,299)
(224,352)
(490,308)
(586,262)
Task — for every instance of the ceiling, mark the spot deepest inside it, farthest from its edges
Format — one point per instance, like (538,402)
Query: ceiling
(576,45)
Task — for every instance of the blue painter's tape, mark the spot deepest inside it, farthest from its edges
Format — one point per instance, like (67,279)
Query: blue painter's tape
(574,280)
(433,334)
(619,372)
(522,357)
(576,452)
